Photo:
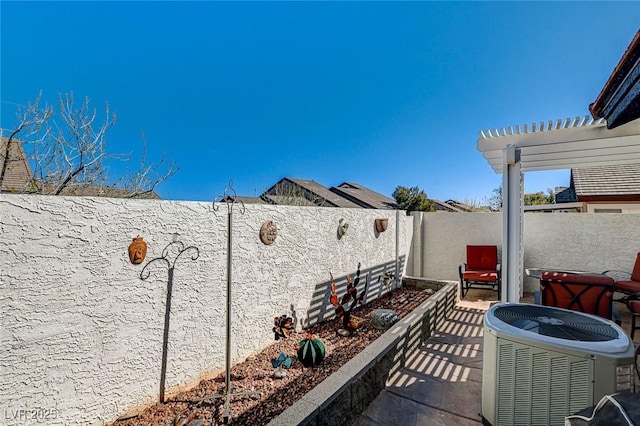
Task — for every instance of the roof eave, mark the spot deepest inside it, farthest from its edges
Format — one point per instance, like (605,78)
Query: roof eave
(619,99)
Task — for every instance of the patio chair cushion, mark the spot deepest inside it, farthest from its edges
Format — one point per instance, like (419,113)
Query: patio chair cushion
(480,275)
(482,258)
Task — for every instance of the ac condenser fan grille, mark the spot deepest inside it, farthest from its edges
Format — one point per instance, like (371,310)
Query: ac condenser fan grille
(556,323)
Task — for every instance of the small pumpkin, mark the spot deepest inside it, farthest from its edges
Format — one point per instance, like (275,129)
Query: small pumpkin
(311,351)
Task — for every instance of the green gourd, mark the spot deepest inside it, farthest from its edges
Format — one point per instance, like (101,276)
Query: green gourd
(311,351)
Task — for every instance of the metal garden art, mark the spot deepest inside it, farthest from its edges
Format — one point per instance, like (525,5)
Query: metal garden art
(137,250)
(230,199)
(282,330)
(174,248)
(349,301)
(388,279)
(311,351)
(268,232)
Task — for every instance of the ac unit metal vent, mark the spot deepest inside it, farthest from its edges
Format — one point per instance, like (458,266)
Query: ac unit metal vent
(555,323)
(541,364)
(540,387)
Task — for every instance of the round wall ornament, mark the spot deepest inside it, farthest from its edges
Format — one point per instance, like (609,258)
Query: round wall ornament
(268,232)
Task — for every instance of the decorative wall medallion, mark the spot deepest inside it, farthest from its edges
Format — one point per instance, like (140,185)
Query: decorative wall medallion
(268,232)
(381,225)
(137,250)
(342,228)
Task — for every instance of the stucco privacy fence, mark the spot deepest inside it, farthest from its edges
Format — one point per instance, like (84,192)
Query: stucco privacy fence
(82,334)
(592,242)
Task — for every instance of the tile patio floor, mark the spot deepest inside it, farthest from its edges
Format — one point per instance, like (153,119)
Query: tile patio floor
(441,383)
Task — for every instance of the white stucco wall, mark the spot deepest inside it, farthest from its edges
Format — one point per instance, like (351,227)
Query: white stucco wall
(580,241)
(575,241)
(82,334)
(445,236)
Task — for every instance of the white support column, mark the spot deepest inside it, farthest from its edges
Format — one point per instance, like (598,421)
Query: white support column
(512,200)
(416,244)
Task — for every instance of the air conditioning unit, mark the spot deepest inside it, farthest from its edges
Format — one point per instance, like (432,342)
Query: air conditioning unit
(541,364)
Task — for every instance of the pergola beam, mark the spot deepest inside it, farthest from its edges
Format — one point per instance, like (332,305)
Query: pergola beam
(561,144)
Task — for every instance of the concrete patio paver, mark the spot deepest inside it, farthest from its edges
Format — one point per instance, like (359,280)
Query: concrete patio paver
(441,383)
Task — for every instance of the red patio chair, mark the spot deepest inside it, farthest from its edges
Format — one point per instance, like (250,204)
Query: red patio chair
(631,284)
(481,269)
(629,287)
(592,294)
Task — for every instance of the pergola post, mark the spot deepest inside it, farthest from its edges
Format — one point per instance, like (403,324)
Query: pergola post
(512,201)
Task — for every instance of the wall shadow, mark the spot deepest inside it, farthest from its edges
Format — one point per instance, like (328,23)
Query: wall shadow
(321,309)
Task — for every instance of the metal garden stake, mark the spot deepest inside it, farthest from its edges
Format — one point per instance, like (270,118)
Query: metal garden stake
(177,248)
(230,199)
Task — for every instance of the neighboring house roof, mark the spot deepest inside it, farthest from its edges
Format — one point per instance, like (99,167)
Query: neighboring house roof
(17,171)
(619,100)
(607,183)
(325,193)
(565,195)
(555,208)
(286,200)
(241,199)
(290,188)
(461,206)
(363,196)
(250,200)
(444,207)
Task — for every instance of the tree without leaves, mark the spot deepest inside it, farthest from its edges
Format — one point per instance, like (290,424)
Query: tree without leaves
(68,151)
(495,200)
(412,199)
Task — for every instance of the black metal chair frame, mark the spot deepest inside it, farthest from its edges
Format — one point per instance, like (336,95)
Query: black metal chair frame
(466,285)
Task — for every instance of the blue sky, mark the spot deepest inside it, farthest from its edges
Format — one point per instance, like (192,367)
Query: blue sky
(378,93)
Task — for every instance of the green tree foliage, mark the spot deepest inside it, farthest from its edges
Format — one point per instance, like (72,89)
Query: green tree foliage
(540,197)
(412,199)
(532,199)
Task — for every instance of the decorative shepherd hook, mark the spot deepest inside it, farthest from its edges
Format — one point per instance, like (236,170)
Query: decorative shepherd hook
(229,197)
(178,248)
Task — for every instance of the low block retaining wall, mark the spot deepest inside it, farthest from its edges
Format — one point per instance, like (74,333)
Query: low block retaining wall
(343,396)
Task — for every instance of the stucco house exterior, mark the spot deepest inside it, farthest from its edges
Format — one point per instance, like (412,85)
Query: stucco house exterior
(604,189)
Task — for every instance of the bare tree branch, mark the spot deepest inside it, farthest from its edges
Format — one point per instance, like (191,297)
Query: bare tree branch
(31,121)
(68,151)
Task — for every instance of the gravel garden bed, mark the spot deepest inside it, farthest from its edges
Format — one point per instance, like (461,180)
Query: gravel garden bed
(256,374)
